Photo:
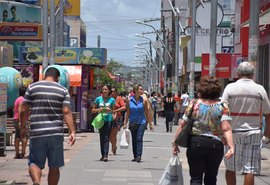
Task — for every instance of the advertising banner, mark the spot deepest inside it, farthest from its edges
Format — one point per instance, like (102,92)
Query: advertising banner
(11,13)
(72,7)
(29,74)
(223,66)
(65,55)
(6,55)
(21,31)
(236,60)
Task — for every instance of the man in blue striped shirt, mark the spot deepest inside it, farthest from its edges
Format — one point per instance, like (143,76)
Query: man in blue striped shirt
(48,103)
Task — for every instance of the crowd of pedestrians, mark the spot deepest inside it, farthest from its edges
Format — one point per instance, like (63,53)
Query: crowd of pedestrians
(226,124)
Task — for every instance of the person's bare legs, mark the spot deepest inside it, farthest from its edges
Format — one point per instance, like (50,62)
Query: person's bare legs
(17,145)
(113,139)
(53,176)
(230,177)
(24,144)
(35,173)
(249,179)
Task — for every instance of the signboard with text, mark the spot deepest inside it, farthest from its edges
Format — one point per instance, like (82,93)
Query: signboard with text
(223,65)
(65,55)
(21,31)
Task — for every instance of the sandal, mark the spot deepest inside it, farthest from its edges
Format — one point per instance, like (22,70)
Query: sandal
(114,150)
(17,156)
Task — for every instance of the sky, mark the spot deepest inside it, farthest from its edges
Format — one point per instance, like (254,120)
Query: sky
(115,22)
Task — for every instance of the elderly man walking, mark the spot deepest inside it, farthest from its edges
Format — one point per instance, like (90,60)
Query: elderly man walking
(248,102)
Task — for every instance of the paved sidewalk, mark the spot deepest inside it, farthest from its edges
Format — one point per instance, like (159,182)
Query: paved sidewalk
(17,169)
(84,168)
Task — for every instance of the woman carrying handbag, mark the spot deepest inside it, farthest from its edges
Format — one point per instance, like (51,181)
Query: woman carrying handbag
(136,116)
(211,130)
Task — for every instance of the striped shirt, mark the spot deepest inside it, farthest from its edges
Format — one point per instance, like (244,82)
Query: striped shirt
(247,102)
(46,100)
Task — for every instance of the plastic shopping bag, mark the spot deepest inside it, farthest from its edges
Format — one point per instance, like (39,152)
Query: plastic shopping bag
(172,174)
(98,122)
(124,142)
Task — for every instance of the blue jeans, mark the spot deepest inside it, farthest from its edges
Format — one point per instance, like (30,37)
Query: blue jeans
(155,116)
(137,140)
(104,135)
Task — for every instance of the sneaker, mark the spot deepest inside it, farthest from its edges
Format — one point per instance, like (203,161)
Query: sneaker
(138,159)
(105,159)
(134,160)
(101,159)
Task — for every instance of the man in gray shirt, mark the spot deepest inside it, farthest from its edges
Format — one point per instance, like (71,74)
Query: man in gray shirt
(50,105)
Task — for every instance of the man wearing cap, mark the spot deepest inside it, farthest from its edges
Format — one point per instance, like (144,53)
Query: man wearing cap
(248,102)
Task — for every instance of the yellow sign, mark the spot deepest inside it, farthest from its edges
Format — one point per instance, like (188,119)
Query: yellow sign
(72,7)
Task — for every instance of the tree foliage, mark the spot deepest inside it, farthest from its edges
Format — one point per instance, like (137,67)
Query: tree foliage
(105,72)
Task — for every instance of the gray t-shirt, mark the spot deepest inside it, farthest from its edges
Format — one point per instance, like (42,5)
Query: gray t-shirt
(46,100)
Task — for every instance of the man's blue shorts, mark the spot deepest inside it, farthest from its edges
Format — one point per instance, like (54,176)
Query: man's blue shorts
(50,147)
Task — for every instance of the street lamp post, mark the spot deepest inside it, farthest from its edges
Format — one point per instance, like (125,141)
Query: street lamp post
(158,64)
(160,40)
(149,67)
(45,61)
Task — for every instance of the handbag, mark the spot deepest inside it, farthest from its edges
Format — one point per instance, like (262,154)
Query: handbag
(98,122)
(183,138)
(173,173)
(133,126)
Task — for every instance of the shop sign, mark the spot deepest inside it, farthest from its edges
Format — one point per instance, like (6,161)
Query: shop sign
(264,30)
(65,55)
(20,31)
(223,65)
(236,60)
(221,31)
(71,8)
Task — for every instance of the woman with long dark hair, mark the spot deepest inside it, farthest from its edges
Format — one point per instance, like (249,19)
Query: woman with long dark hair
(169,106)
(106,105)
(118,120)
(135,114)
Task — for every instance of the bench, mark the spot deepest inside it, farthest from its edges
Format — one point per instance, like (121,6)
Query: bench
(76,120)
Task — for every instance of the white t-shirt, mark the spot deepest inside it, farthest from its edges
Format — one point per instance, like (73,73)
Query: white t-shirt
(247,102)
(185,98)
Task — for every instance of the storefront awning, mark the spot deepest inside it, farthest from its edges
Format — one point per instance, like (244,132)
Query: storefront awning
(75,74)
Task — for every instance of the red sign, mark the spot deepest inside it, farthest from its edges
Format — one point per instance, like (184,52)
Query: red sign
(223,66)
(20,31)
(264,30)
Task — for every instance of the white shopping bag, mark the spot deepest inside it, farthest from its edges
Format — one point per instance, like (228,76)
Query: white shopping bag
(124,142)
(172,174)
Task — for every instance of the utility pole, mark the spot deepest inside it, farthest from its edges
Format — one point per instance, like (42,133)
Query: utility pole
(61,23)
(176,80)
(192,53)
(254,35)
(45,61)
(213,38)
(98,41)
(52,30)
